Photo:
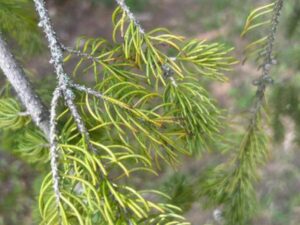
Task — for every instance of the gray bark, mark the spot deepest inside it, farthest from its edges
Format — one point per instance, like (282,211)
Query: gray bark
(17,78)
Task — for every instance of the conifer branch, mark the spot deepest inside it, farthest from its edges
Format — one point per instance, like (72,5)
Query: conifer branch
(165,67)
(17,78)
(64,82)
(265,79)
(233,183)
(84,187)
(63,88)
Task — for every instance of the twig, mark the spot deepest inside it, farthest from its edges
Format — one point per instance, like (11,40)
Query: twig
(87,90)
(79,53)
(168,73)
(265,79)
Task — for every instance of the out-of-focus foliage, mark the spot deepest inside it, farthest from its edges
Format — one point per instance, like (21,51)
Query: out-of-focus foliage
(181,190)
(17,197)
(11,116)
(18,21)
(285,103)
(231,185)
(293,21)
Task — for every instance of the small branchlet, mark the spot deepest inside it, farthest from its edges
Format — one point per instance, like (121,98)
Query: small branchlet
(191,58)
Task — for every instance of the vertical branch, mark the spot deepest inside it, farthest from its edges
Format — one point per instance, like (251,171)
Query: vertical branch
(17,78)
(63,89)
(54,146)
(56,51)
(54,45)
(268,61)
(233,184)
(253,149)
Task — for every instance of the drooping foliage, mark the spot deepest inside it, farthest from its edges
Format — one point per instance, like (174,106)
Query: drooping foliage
(232,184)
(146,107)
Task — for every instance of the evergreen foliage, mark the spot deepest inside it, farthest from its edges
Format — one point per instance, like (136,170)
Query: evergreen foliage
(137,116)
(232,184)
(181,191)
(146,107)
(11,116)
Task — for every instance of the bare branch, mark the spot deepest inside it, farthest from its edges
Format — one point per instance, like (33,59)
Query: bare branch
(17,78)
(265,79)
(56,50)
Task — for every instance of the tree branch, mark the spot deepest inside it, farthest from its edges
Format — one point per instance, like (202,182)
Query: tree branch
(17,78)
(64,82)
(265,79)
(63,90)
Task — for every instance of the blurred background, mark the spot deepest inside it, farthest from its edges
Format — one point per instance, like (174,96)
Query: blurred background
(213,20)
